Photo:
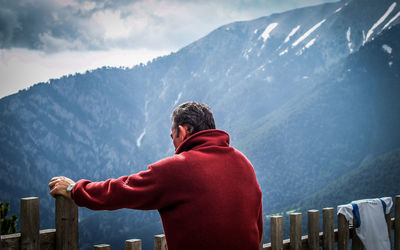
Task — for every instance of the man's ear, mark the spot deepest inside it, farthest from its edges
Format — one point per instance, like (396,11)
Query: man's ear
(183,132)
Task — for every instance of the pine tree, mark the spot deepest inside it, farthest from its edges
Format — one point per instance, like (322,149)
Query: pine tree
(8,225)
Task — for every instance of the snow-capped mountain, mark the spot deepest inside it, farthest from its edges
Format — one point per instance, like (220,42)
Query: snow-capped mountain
(308,95)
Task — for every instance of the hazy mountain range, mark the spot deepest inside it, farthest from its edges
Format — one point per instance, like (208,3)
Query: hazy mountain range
(309,95)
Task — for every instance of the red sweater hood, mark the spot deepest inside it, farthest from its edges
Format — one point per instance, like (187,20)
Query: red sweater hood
(204,138)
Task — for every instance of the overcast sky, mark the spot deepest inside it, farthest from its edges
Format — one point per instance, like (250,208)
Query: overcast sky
(44,39)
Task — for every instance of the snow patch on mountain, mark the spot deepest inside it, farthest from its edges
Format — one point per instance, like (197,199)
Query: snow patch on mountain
(294,30)
(391,20)
(305,35)
(246,53)
(381,20)
(177,99)
(265,35)
(348,37)
(387,49)
(139,139)
(308,45)
(283,52)
(164,89)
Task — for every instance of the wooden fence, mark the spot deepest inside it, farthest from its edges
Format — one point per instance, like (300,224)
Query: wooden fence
(65,236)
(329,237)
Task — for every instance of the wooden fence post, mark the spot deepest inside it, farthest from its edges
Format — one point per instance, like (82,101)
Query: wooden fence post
(343,233)
(313,229)
(102,247)
(388,218)
(160,242)
(397,223)
(66,224)
(328,227)
(295,231)
(30,223)
(356,243)
(133,244)
(276,232)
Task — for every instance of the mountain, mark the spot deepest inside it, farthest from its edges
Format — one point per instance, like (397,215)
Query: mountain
(309,96)
(359,105)
(381,172)
(349,118)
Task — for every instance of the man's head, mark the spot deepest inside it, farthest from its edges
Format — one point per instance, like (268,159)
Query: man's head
(189,118)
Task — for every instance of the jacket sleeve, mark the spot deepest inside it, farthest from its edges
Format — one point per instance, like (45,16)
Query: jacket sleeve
(139,191)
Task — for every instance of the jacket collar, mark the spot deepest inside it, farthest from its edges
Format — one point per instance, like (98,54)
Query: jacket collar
(209,137)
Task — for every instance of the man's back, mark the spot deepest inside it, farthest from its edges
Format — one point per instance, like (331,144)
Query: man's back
(216,197)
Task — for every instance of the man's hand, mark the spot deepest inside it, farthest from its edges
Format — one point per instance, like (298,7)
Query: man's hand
(58,186)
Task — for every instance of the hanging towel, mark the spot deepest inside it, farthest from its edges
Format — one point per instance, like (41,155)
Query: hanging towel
(371,225)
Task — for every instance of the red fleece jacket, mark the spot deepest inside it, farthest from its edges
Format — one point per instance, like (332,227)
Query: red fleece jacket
(207,195)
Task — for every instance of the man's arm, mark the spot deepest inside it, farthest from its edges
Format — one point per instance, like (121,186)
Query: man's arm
(59,185)
(145,190)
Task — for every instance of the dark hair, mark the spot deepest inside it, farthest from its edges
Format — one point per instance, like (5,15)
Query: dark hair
(195,116)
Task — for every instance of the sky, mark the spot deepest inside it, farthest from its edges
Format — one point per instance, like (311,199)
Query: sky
(47,39)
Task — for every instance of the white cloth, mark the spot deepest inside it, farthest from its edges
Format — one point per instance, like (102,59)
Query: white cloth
(371,225)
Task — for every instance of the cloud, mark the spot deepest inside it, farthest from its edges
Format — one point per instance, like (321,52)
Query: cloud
(59,25)
(20,68)
(44,24)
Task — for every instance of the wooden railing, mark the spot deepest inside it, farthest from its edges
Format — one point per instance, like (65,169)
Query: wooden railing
(65,236)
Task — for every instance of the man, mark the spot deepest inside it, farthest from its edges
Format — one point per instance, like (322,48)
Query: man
(206,193)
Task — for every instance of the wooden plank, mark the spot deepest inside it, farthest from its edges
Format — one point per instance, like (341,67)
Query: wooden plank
(277,233)
(102,247)
(267,246)
(10,241)
(397,223)
(295,231)
(30,223)
(47,239)
(133,244)
(160,242)
(304,242)
(66,224)
(286,244)
(313,229)
(343,233)
(328,228)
